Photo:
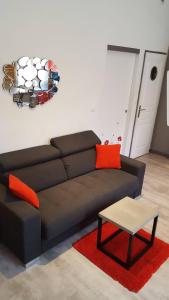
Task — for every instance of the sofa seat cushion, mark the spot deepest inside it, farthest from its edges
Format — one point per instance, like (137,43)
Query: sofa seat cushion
(71,202)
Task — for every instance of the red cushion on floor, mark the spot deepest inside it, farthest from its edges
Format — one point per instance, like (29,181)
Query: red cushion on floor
(23,191)
(140,273)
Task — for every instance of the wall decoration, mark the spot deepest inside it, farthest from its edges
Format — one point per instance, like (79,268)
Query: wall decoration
(31,81)
(114,141)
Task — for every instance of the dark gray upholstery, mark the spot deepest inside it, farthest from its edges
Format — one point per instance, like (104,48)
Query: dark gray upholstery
(27,157)
(80,163)
(70,189)
(42,176)
(76,142)
(20,226)
(72,201)
(134,167)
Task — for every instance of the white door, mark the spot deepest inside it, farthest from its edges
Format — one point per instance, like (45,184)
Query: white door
(118,81)
(153,73)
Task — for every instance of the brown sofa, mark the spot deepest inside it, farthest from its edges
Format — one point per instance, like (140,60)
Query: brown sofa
(70,189)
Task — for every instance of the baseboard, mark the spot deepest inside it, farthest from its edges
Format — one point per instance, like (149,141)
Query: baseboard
(159,153)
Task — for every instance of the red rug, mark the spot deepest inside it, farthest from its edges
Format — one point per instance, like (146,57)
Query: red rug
(140,273)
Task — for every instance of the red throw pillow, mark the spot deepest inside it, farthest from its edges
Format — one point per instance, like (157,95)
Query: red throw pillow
(108,156)
(23,191)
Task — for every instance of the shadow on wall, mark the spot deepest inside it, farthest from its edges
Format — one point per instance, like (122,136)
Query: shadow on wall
(160,140)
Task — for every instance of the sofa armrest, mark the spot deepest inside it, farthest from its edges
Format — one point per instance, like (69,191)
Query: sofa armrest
(20,226)
(134,167)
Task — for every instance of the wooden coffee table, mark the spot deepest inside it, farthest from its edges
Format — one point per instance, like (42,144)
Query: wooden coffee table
(129,215)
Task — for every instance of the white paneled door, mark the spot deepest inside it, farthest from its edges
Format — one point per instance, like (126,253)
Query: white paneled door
(116,98)
(153,72)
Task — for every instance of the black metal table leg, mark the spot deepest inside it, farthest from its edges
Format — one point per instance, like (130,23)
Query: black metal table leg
(130,260)
(129,253)
(154,230)
(99,233)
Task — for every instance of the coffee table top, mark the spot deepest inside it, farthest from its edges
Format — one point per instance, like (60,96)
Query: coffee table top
(129,214)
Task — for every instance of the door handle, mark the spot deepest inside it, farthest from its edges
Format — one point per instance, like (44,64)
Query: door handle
(140,109)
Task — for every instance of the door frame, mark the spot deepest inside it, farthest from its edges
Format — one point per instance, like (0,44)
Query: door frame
(123,49)
(136,51)
(138,98)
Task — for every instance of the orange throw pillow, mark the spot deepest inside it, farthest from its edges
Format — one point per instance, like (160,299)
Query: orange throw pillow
(23,191)
(108,156)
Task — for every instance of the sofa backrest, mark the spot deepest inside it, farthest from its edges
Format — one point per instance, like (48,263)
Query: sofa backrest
(76,142)
(78,152)
(39,167)
(44,166)
(42,176)
(27,157)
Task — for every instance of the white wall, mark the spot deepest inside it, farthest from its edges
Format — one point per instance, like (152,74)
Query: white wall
(75,35)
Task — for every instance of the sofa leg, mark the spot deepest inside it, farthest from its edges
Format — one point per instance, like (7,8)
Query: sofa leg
(32,262)
(138,197)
